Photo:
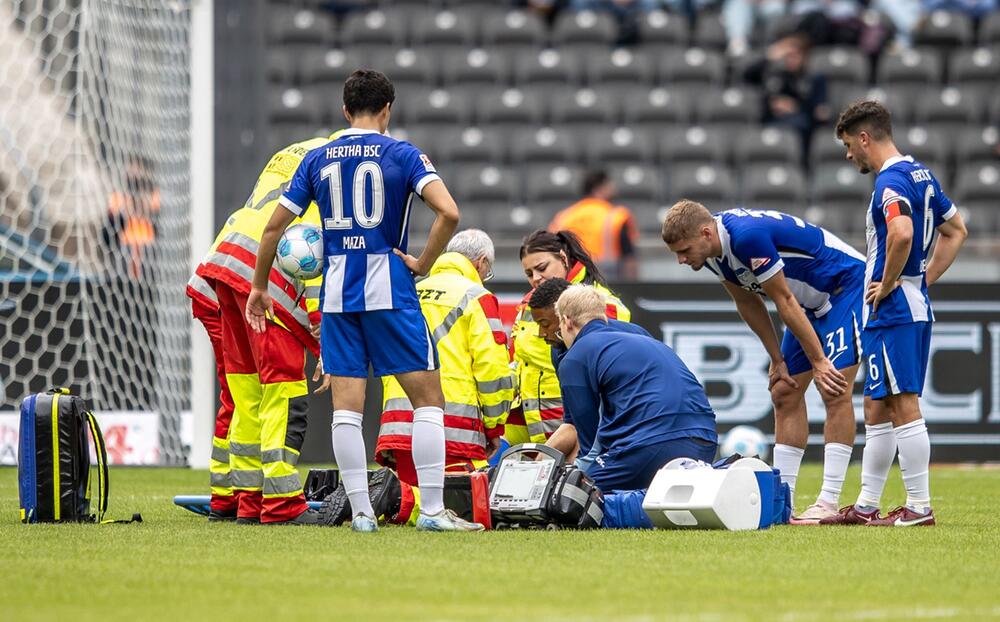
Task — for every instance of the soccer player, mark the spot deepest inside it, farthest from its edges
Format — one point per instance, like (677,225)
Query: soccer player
(546,255)
(906,209)
(262,422)
(475,372)
(629,394)
(363,183)
(816,282)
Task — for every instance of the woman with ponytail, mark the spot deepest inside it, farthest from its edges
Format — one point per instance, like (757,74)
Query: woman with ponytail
(546,255)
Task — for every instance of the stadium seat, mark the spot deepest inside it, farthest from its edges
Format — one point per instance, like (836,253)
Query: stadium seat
(439,109)
(546,68)
(474,69)
(767,145)
(485,183)
(514,27)
(910,66)
(989,29)
(975,71)
(454,31)
(510,108)
(840,219)
(545,146)
(654,108)
(584,30)
(329,66)
(296,105)
(943,29)
(949,109)
(582,108)
(612,69)
(977,145)
(427,140)
(709,31)
(649,217)
(978,185)
(775,186)
(733,107)
(622,145)
(659,29)
(928,145)
(826,149)
(301,27)
(980,218)
(281,134)
(696,67)
(694,145)
(900,100)
(408,68)
(709,184)
(551,186)
(840,184)
(842,66)
(282,66)
(993,112)
(519,220)
(374,28)
(636,184)
(472,145)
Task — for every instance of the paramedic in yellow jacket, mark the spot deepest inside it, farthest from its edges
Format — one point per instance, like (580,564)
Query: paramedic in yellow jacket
(265,372)
(546,255)
(464,319)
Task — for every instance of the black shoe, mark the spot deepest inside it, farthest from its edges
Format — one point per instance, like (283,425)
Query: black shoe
(240,520)
(309,517)
(336,508)
(214,516)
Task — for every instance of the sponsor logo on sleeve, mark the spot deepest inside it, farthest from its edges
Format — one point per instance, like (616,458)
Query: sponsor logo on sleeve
(427,164)
(756,263)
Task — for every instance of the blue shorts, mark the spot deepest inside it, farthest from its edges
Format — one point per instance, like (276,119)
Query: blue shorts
(635,468)
(897,358)
(392,341)
(839,333)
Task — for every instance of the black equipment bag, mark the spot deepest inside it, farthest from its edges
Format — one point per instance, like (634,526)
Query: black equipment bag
(320,483)
(576,501)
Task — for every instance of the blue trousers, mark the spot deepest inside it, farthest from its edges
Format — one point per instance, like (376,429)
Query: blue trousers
(635,468)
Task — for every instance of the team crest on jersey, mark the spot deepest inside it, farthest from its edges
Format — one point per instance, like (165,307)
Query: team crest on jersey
(427,163)
(759,262)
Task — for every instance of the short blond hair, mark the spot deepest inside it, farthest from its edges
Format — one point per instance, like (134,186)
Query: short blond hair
(582,304)
(683,220)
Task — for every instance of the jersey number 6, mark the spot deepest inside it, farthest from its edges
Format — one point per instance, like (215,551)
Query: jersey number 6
(367,218)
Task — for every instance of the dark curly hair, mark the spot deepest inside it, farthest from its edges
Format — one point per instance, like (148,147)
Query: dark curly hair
(546,294)
(367,92)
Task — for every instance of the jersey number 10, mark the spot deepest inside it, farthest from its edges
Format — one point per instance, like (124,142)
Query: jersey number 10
(368,217)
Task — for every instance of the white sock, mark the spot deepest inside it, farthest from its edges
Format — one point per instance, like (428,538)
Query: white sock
(876,460)
(914,461)
(428,457)
(836,457)
(349,452)
(787,459)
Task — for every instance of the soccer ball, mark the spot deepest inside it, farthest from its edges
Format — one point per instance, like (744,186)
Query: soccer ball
(300,252)
(746,441)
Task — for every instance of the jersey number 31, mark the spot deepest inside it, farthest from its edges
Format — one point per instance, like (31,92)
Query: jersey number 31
(368,216)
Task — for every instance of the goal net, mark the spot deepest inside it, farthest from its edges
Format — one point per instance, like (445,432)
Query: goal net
(94,213)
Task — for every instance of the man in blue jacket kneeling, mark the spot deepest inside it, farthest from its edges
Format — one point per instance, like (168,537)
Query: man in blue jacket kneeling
(628,394)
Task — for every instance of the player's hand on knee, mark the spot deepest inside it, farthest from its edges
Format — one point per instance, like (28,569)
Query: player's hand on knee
(260,309)
(828,378)
(778,372)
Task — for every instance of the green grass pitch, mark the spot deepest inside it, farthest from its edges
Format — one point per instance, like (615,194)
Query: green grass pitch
(176,566)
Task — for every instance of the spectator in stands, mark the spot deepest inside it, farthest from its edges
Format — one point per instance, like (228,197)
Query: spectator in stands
(548,9)
(608,231)
(793,96)
(130,227)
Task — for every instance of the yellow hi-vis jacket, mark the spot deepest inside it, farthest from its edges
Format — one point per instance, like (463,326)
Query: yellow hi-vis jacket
(232,257)
(541,410)
(464,319)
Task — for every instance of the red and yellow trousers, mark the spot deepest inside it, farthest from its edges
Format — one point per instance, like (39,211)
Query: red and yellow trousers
(223,500)
(266,377)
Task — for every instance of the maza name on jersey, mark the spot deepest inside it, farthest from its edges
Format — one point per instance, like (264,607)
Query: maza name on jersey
(354,151)
(354,242)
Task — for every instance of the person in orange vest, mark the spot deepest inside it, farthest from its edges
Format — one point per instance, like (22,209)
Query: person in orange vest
(608,231)
(130,228)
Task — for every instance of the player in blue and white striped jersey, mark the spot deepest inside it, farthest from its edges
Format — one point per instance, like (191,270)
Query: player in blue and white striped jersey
(906,210)
(816,283)
(364,182)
